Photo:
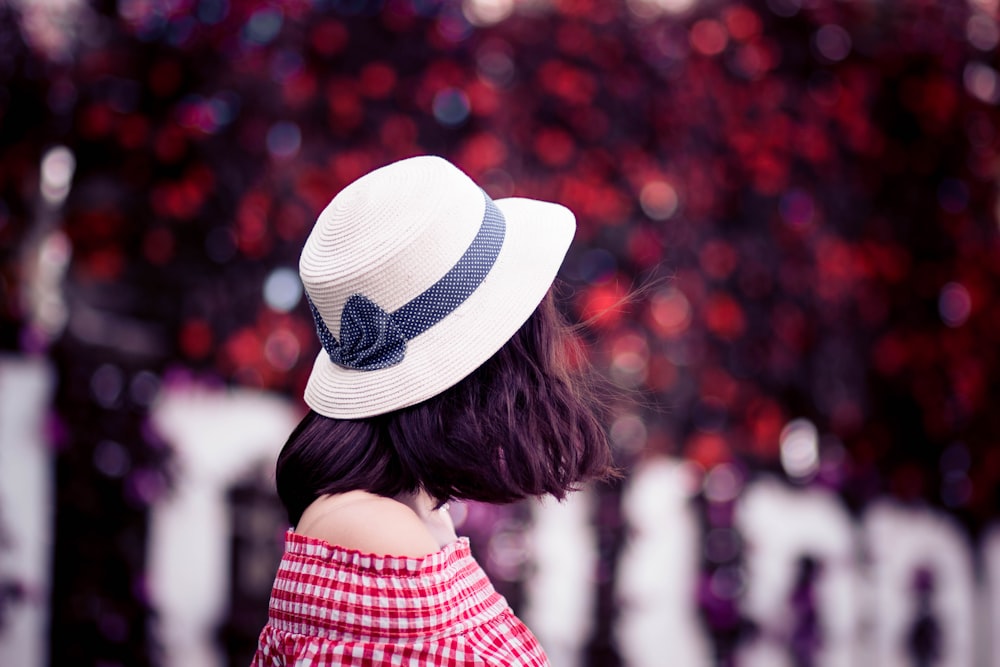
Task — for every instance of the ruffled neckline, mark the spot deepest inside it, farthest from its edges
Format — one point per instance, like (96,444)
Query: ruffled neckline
(361,562)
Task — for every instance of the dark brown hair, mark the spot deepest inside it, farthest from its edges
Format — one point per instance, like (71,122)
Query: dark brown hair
(525,423)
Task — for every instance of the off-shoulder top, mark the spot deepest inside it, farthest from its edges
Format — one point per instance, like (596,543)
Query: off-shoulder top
(335,606)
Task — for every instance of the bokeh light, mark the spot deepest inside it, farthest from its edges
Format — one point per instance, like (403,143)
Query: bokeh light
(284,140)
(800,449)
(651,9)
(670,311)
(982,32)
(487,12)
(708,37)
(628,434)
(282,349)
(283,289)
(111,458)
(832,42)
(451,107)
(981,81)
(954,304)
(659,200)
(57,174)
(263,26)
(722,483)
(106,385)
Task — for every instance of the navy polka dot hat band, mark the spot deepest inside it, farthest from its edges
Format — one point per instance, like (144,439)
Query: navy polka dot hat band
(371,339)
(423,277)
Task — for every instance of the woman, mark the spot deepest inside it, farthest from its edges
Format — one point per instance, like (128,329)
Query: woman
(445,374)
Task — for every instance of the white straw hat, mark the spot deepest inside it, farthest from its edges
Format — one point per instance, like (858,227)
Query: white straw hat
(415,278)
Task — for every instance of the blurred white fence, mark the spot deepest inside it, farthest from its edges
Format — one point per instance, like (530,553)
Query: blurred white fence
(864,590)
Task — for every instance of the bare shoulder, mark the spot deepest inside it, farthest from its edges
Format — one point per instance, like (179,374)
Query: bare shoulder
(368,523)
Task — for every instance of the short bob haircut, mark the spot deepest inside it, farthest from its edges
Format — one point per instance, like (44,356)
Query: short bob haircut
(525,423)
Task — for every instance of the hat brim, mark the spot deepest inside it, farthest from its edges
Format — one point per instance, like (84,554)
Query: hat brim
(537,237)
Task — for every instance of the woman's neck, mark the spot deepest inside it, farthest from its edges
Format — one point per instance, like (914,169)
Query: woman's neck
(434,515)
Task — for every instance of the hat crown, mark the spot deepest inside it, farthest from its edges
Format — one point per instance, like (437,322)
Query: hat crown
(390,235)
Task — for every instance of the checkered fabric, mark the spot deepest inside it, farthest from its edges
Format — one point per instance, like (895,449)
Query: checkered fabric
(333,606)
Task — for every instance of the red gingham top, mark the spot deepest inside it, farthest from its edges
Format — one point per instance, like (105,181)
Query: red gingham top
(335,606)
